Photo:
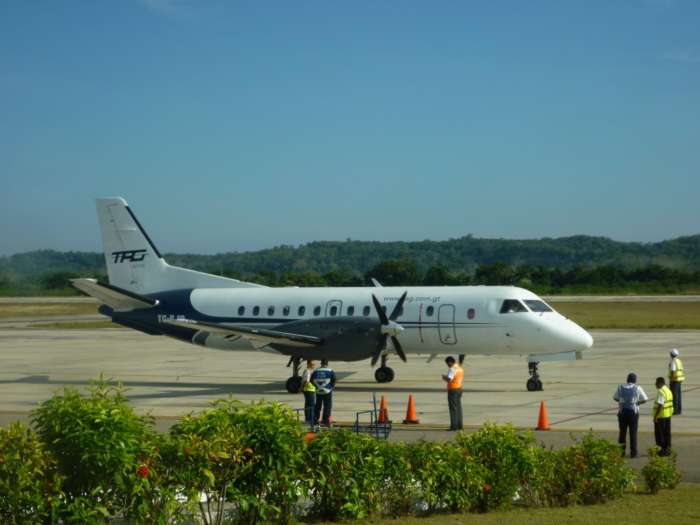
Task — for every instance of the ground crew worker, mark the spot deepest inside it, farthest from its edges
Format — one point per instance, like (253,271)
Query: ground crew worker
(675,377)
(629,396)
(453,378)
(663,410)
(309,390)
(323,379)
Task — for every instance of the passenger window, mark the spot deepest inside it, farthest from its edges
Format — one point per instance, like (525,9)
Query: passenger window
(429,311)
(351,311)
(510,306)
(334,310)
(537,306)
(270,310)
(256,310)
(285,311)
(365,311)
(301,310)
(241,310)
(471,313)
(317,311)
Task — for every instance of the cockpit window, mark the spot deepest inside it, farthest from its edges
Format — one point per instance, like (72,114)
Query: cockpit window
(510,306)
(537,306)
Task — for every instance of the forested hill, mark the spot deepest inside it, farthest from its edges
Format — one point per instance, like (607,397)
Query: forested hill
(455,255)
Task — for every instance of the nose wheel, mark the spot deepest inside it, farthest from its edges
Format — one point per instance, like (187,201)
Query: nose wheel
(534,384)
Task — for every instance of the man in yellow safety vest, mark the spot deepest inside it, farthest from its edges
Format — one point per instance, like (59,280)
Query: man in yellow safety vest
(675,377)
(309,390)
(663,410)
(453,378)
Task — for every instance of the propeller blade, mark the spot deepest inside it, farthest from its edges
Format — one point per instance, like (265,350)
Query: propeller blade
(397,347)
(381,345)
(399,306)
(380,311)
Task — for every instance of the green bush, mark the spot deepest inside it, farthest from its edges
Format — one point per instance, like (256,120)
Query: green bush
(661,472)
(507,457)
(345,474)
(446,477)
(207,457)
(107,454)
(275,439)
(590,471)
(30,485)
(399,487)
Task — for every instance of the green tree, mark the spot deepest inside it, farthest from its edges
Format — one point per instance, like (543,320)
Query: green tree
(394,272)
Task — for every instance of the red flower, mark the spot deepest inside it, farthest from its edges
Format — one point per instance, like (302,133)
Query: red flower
(143,471)
(486,488)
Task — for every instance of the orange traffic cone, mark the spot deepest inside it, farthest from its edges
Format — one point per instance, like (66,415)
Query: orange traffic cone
(543,421)
(411,411)
(383,411)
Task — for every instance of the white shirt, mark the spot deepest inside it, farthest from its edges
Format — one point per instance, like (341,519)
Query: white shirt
(630,396)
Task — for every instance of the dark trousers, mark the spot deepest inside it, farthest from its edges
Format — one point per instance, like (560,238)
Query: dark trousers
(675,387)
(662,433)
(628,420)
(310,408)
(323,402)
(454,402)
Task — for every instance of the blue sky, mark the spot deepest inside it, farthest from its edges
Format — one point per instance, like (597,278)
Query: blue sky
(233,125)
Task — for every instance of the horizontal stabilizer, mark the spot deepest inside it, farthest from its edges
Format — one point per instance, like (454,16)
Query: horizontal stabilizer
(258,337)
(118,299)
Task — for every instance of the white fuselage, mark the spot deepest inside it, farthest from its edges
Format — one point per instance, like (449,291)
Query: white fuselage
(435,319)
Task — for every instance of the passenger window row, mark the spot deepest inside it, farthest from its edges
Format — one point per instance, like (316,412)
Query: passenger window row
(334,311)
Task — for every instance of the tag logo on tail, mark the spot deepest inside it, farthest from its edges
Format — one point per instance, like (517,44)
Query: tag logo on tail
(129,256)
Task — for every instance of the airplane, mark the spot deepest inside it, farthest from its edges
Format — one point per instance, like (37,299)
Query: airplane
(145,293)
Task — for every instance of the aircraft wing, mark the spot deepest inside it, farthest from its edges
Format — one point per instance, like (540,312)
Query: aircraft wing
(118,299)
(258,337)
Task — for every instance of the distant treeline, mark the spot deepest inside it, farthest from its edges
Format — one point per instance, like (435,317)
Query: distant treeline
(579,264)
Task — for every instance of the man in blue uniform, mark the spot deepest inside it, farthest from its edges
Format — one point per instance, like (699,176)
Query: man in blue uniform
(323,379)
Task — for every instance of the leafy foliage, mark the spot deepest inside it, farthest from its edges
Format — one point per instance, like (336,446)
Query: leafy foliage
(101,448)
(661,472)
(30,484)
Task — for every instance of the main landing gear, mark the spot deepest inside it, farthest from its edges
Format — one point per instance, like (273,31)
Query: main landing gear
(294,382)
(384,374)
(533,384)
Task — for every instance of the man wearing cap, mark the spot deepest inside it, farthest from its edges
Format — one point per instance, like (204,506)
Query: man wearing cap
(453,378)
(675,378)
(629,396)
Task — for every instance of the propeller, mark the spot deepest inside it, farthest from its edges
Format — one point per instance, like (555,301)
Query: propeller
(389,328)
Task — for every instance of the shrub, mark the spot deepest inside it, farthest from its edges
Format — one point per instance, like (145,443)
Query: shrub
(507,457)
(345,473)
(661,472)
(399,488)
(207,457)
(447,478)
(275,439)
(591,471)
(105,451)
(30,485)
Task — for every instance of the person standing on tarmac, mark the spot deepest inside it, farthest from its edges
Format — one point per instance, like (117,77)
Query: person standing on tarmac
(676,376)
(663,410)
(309,390)
(629,396)
(453,378)
(324,380)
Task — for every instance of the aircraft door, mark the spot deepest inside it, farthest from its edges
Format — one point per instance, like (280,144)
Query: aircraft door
(446,324)
(334,308)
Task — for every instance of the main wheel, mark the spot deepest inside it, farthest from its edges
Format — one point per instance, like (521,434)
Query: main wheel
(384,374)
(293,384)
(532,385)
(539,385)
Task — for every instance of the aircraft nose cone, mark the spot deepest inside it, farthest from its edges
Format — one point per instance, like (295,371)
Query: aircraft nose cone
(583,339)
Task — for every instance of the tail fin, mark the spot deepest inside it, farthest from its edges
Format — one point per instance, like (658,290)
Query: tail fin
(135,264)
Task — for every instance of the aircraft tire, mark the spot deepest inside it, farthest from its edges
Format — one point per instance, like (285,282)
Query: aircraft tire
(384,374)
(293,384)
(532,385)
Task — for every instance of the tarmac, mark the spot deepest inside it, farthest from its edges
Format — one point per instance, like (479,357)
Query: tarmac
(168,379)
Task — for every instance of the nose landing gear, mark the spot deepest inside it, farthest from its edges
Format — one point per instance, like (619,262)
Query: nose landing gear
(533,384)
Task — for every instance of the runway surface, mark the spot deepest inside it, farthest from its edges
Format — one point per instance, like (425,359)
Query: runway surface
(169,378)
